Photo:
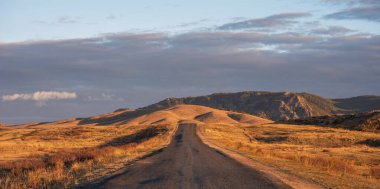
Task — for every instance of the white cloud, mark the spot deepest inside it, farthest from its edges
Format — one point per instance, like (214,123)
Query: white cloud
(41,96)
(105,97)
(17,97)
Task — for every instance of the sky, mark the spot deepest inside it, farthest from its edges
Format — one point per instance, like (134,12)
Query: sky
(76,58)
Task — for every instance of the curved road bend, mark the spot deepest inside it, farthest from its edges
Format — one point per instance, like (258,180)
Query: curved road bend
(188,163)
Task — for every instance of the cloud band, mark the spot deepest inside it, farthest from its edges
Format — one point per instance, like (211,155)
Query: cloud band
(41,96)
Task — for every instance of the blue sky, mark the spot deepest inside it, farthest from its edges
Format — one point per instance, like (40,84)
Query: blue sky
(24,20)
(75,58)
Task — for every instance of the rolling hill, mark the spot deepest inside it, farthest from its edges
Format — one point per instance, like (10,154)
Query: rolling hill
(275,105)
(125,135)
(172,115)
(359,103)
(367,121)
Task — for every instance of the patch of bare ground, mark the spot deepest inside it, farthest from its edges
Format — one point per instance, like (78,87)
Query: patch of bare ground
(332,158)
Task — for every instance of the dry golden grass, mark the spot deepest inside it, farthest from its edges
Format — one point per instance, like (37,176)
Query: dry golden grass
(67,152)
(62,156)
(335,158)
(195,114)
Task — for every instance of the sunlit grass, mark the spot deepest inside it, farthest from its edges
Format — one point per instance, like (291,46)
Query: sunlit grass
(335,158)
(54,157)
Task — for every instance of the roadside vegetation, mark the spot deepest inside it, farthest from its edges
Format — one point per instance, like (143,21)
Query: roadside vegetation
(65,157)
(334,158)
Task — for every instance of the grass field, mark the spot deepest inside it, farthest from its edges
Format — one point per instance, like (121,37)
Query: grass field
(335,158)
(63,156)
(66,153)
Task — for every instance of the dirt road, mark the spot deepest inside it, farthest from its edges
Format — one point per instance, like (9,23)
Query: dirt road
(188,163)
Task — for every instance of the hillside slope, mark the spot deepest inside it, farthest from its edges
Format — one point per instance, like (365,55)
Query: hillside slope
(368,121)
(359,103)
(173,115)
(275,106)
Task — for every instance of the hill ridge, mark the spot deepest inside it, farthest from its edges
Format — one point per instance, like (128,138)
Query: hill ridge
(275,105)
(171,115)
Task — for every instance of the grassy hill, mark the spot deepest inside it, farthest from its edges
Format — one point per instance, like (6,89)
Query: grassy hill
(61,154)
(275,105)
(359,103)
(172,115)
(367,121)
